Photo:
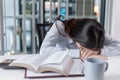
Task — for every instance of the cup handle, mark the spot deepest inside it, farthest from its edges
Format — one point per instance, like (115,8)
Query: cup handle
(106,67)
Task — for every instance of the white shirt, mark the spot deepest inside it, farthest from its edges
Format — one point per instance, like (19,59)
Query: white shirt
(56,40)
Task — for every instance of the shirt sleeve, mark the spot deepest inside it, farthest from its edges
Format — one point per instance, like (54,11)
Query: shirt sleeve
(55,36)
(51,39)
(111,46)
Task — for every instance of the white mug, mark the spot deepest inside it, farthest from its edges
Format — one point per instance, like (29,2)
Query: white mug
(95,68)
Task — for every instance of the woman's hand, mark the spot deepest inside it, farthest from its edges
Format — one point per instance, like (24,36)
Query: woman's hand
(87,53)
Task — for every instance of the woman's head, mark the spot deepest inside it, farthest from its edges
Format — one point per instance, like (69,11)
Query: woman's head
(87,32)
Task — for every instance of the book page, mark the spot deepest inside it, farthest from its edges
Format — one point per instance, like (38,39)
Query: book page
(55,58)
(30,61)
(77,67)
(31,74)
(75,71)
(63,68)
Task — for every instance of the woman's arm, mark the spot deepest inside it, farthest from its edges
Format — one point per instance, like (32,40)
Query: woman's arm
(51,39)
(111,46)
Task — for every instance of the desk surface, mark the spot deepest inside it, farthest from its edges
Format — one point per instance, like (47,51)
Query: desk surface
(113,72)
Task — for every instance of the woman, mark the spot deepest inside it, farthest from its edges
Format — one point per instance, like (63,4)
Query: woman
(87,35)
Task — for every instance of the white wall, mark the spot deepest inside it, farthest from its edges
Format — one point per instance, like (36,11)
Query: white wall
(115,22)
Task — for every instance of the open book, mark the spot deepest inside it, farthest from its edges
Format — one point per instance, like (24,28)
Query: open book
(58,62)
(76,70)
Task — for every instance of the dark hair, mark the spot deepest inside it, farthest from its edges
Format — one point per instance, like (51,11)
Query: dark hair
(88,32)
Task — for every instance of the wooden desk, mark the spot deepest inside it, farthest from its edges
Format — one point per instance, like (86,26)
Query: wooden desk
(113,72)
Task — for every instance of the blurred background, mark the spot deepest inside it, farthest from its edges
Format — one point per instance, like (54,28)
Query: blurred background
(24,23)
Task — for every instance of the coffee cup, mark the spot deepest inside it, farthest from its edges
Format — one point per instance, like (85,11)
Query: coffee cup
(95,68)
